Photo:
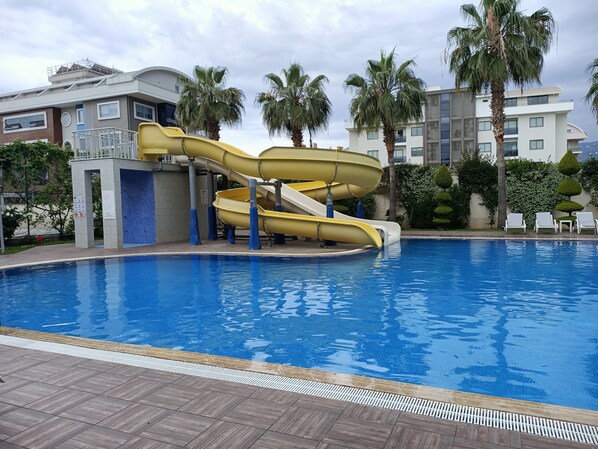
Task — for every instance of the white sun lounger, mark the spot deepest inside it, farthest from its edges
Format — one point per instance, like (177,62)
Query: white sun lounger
(515,221)
(585,220)
(544,220)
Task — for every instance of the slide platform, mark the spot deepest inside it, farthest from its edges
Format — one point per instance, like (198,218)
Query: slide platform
(350,174)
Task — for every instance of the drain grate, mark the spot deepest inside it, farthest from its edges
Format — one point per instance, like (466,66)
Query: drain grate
(564,430)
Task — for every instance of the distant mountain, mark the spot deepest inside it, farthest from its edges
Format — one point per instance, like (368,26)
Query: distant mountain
(588,150)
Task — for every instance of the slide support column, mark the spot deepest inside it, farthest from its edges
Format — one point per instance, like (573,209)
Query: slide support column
(212,226)
(193,223)
(329,212)
(254,232)
(359,209)
(279,239)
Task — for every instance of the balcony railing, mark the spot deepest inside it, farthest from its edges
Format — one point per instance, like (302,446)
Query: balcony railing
(510,131)
(399,159)
(400,139)
(512,153)
(105,143)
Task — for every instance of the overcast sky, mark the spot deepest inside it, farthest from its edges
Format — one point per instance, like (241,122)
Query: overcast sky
(255,37)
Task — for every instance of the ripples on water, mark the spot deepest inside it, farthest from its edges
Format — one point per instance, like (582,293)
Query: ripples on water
(514,319)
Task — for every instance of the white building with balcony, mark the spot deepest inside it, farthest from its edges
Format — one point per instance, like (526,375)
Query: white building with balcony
(454,122)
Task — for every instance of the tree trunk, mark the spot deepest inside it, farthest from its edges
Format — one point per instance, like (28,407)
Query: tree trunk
(497,107)
(389,141)
(213,130)
(297,137)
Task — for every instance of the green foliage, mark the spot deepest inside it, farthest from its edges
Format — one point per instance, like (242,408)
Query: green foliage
(569,187)
(442,196)
(11,220)
(479,175)
(532,187)
(589,178)
(443,210)
(569,165)
(341,208)
(568,207)
(460,205)
(442,222)
(368,202)
(415,192)
(96,198)
(40,174)
(443,178)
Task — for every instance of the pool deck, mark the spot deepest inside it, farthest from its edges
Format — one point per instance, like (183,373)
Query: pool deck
(53,400)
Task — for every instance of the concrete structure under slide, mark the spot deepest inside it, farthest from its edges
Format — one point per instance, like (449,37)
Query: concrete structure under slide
(347,174)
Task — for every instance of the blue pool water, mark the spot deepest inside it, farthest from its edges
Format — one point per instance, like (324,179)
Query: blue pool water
(506,318)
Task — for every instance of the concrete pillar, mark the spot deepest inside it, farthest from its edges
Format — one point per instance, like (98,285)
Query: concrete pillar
(83,206)
(111,205)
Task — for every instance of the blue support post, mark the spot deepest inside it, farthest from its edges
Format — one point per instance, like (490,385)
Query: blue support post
(329,213)
(193,222)
(212,224)
(279,239)
(254,231)
(230,234)
(359,209)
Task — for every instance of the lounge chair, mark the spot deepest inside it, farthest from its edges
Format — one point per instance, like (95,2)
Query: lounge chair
(585,220)
(515,221)
(544,220)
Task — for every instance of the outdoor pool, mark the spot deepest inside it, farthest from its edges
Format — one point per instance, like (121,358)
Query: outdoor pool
(516,319)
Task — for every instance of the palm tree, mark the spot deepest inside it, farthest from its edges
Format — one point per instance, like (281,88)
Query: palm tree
(500,45)
(592,96)
(295,104)
(389,95)
(205,103)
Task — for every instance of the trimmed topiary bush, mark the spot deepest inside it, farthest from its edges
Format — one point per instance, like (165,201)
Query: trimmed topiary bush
(569,166)
(444,180)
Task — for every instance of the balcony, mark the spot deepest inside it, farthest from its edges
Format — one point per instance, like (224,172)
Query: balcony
(400,139)
(105,143)
(399,159)
(511,153)
(511,131)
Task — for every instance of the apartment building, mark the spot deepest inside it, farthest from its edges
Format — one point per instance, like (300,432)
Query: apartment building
(455,122)
(85,96)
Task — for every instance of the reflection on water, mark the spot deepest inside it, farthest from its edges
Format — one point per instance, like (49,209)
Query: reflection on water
(514,319)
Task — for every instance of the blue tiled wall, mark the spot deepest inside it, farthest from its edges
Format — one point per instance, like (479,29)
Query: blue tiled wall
(138,208)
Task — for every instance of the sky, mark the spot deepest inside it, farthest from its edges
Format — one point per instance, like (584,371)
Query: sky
(252,38)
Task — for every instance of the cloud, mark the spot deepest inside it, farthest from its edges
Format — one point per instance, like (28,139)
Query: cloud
(255,37)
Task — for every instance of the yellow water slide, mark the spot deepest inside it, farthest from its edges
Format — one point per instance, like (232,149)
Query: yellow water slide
(351,174)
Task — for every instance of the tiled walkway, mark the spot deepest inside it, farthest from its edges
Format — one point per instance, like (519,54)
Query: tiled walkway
(50,400)
(56,401)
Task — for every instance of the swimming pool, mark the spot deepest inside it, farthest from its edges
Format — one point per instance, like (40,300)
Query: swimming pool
(514,319)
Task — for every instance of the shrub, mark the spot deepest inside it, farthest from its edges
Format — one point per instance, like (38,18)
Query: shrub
(479,175)
(415,192)
(589,179)
(11,220)
(368,202)
(532,187)
(443,180)
(568,166)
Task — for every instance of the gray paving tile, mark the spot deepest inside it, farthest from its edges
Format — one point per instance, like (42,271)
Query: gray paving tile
(274,440)
(71,376)
(374,414)
(212,404)
(256,413)
(28,393)
(134,419)
(95,438)
(59,401)
(96,409)
(177,428)
(355,433)
(277,396)
(134,389)
(41,371)
(171,396)
(19,420)
(100,383)
(48,433)
(305,423)
(146,443)
(226,435)
(418,439)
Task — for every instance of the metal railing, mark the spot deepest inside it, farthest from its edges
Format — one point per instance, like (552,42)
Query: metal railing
(105,143)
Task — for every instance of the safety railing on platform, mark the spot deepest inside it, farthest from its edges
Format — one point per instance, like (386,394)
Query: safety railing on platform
(105,143)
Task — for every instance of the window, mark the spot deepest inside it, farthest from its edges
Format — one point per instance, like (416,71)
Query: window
(400,136)
(80,116)
(485,147)
(510,148)
(373,153)
(484,125)
(417,151)
(536,122)
(144,112)
(417,130)
(537,144)
(510,102)
(537,99)
(399,154)
(66,119)
(372,134)
(25,122)
(108,110)
(511,126)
